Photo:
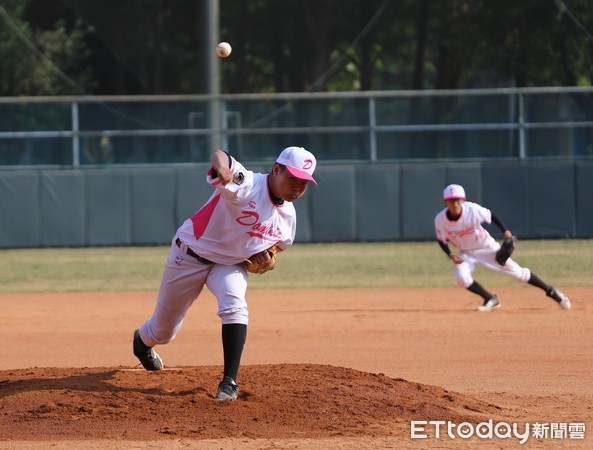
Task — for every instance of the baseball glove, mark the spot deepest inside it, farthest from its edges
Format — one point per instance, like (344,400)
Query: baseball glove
(506,250)
(255,264)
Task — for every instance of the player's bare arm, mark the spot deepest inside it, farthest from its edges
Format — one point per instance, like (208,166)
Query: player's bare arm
(496,220)
(452,256)
(220,164)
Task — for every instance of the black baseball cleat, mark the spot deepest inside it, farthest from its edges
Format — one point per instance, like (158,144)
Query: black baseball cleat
(149,359)
(227,390)
(489,305)
(559,296)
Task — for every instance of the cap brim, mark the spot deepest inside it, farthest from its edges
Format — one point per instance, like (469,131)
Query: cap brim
(454,197)
(301,174)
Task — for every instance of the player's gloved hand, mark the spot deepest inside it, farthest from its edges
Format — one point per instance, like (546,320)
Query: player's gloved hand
(263,261)
(506,249)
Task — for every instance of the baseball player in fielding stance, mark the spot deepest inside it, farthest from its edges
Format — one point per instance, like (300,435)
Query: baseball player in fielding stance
(246,215)
(460,224)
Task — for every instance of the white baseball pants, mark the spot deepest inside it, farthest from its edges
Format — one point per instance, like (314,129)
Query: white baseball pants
(183,280)
(486,257)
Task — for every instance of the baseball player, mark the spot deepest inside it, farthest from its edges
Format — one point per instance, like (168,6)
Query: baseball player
(246,215)
(460,224)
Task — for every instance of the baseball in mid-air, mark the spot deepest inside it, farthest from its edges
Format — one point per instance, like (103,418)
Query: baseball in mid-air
(223,49)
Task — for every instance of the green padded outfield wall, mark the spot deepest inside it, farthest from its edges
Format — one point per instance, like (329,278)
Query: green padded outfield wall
(63,209)
(506,192)
(368,202)
(108,206)
(377,202)
(552,207)
(20,211)
(584,199)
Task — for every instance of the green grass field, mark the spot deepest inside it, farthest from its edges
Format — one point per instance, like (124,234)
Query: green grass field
(360,265)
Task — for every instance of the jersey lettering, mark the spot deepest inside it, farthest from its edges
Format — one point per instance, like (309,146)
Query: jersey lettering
(250,218)
(265,232)
(464,232)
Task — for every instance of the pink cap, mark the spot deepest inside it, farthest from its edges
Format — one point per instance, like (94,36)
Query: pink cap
(299,162)
(453,191)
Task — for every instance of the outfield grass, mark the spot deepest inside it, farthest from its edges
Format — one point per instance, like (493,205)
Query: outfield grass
(361,265)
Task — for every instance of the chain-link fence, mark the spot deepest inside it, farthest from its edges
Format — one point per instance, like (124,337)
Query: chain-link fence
(379,126)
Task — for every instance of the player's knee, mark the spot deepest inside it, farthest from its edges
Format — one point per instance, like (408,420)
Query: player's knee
(234,315)
(522,274)
(464,284)
(158,335)
(464,281)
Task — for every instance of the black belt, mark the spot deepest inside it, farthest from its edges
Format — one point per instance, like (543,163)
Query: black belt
(190,252)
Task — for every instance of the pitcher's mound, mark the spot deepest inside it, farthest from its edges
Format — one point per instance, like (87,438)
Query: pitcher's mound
(275,401)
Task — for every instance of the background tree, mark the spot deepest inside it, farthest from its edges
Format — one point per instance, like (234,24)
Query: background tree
(35,60)
(155,46)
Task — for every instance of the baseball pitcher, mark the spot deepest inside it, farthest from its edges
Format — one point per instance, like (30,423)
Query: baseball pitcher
(248,219)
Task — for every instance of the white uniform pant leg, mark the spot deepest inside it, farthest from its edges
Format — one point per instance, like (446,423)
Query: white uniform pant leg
(229,286)
(183,280)
(510,268)
(487,257)
(464,271)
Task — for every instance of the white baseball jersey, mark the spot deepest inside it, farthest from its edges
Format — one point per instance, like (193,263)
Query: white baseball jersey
(239,220)
(467,232)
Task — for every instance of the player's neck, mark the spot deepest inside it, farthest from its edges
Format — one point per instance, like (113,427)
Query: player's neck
(275,199)
(453,217)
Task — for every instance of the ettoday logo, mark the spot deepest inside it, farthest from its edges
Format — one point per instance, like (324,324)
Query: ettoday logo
(437,429)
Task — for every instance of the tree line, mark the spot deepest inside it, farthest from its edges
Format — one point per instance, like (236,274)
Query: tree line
(115,47)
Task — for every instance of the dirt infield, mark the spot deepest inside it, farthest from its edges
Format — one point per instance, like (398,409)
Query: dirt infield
(321,369)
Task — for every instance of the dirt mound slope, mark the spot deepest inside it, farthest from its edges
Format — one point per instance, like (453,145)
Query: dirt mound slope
(276,401)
